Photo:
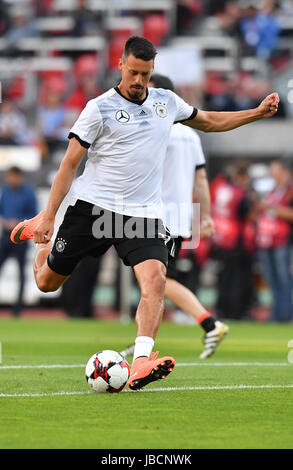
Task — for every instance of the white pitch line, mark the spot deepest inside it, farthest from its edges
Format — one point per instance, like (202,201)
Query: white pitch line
(32,395)
(180,364)
(167,389)
(44,366)
(233,364)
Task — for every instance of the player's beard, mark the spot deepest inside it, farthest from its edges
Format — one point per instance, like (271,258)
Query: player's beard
(136,93)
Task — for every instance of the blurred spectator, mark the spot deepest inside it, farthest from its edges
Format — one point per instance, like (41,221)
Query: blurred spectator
(13,126)
(218,93)
(249,91)
(51,121)
(42,7)
(236,93)
(187,11)
(274,226)
(212,7)
(21,26)
(86,22)
(260,29)
(191,262)
(4,18)
(17,202)
(233,242)
(229,19)
(286,7)
(86,74)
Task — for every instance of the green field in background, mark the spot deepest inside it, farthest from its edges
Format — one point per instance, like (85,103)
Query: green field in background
(206,418)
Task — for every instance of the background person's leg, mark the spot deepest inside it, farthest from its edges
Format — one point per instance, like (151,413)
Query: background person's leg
(20,252)
(282,261)
(270,275)
(183,298)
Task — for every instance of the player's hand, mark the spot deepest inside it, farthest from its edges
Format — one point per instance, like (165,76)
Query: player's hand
(44,231)
(207,227)
(269,106)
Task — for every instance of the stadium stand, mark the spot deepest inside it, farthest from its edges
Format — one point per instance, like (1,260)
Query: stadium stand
(69,49)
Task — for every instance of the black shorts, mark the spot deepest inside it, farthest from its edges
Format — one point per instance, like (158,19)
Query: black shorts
(84,233)
(172,271)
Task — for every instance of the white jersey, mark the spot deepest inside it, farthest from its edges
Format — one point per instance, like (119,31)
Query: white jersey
(127,143)
(184,155)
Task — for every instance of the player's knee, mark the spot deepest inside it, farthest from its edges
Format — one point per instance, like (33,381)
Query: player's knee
(47,285)
(153,282)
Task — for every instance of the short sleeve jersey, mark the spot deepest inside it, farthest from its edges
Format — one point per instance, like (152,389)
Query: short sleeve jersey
(184,156)
(127,142)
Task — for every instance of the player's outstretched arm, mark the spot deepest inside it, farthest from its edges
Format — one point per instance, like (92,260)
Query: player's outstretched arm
(211,121)
(61,185)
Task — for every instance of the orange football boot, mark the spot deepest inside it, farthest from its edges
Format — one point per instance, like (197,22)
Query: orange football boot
(148,369)
(25,229)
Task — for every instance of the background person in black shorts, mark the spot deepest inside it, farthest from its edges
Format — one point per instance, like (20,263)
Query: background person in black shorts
(126,133)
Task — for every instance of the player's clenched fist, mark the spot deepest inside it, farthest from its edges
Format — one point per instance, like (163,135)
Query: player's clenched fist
(269,106)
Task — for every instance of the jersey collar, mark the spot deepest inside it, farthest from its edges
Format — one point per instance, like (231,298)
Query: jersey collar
(132,101)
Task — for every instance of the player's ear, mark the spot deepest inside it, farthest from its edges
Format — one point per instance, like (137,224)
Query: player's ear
(120,63)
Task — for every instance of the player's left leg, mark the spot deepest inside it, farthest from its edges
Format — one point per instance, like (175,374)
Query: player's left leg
(46,279)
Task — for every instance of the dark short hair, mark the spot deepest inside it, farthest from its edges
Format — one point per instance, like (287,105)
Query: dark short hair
(15,169)
(241,167)
(140,47)
(161,81)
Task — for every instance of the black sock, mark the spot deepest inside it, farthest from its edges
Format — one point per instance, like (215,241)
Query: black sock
(208,324)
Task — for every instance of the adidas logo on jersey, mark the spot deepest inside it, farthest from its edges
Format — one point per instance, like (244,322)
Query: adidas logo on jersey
(142,113)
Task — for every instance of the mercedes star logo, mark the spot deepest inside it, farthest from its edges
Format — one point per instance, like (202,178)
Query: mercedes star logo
(122,116)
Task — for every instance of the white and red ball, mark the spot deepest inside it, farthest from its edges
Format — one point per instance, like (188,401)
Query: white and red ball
(107,371)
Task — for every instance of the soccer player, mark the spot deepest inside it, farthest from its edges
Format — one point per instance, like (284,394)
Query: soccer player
(125,131)
(185,157)
(184,173)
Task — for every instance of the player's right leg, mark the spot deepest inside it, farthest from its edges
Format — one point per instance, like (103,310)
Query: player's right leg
(46,279)
(55,262)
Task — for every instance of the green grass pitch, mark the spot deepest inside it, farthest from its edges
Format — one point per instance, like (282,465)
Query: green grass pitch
(207,409)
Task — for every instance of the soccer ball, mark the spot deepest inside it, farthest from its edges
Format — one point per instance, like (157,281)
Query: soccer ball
(107,371)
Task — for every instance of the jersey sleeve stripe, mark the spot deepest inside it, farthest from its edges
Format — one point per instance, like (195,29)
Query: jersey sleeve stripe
(83,143)
(193,114)
(199,167)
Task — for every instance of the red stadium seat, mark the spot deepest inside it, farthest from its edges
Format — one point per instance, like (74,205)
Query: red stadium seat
(86,63)
(155,28)
(16,89)
(116,49)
